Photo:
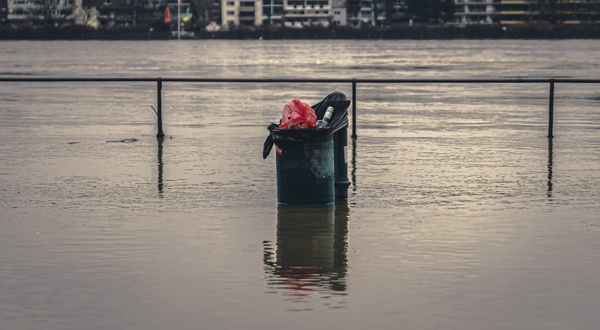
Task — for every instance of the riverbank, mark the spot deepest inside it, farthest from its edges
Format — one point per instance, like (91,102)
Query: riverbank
(580,31)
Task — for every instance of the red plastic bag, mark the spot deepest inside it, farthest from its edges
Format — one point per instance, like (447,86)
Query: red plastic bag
(297,114)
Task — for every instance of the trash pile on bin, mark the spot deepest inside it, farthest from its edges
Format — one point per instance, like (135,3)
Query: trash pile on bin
(298,115)
(302,122)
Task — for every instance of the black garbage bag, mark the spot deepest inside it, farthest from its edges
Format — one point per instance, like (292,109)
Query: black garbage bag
(339,120)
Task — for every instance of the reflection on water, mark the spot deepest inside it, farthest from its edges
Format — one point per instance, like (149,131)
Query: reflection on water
(353,163)
(549,190)
(160,167)
(310,254)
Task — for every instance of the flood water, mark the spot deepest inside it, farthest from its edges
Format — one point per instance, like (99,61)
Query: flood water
(461,213)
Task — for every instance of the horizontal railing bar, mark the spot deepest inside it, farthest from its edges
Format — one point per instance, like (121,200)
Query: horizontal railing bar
(303,80)
(354,81)
(72,79)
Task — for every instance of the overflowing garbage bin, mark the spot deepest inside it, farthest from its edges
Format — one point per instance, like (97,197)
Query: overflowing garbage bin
(311,151)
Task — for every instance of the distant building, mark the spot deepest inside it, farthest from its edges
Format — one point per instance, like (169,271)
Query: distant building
(289,13)
(40,12)
(301,13)
(129,12)
(3,12)
(380,13)
(272,12)
(527,11)
(145,12)
(396,13)
(360,13)
(475,11)
(241,13)
(232,14)
(214,12)
(340,13)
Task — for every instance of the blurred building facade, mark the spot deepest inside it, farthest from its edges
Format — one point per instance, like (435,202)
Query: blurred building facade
(527,11)
(39,12)
(231,14)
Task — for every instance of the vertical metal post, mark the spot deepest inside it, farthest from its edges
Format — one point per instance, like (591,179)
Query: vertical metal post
(178,19)
(354,136)
(160,134)
(340,161)
(551,110)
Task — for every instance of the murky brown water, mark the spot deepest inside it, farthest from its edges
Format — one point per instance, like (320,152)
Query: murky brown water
(462,215)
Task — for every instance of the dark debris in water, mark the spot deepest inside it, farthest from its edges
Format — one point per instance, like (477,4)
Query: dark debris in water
(122,141)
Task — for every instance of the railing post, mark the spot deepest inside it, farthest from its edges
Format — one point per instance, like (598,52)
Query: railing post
(551,110)
(354,136)
(160,134)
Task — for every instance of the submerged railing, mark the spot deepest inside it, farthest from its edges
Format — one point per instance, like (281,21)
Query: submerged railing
(354,81)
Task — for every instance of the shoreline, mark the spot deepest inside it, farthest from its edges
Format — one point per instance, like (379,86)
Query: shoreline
(549,32)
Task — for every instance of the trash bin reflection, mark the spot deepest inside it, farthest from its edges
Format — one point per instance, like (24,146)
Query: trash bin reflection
(310,253)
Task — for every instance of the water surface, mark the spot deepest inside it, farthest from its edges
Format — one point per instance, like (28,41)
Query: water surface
(461,214)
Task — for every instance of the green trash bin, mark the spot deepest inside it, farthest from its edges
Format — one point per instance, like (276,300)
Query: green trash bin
(306,171)
(312,163)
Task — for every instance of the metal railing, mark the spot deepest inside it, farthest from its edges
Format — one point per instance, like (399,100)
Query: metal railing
(354,81)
